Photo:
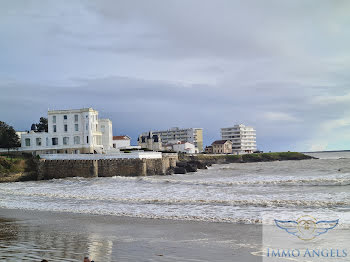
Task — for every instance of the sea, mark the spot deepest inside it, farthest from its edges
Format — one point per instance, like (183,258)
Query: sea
(230,193)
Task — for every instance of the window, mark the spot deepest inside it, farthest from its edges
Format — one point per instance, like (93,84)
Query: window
(77,140)
(66,140)
(76,126)
(76,118)
(87,140)
(47,141)
(102,129)
(65,117)
(96,127)
(54,128)
(87,126)
(27,140)
(65,128)
(38,141)
(54,141)
(54,119)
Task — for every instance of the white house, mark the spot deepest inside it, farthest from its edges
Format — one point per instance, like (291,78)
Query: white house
(121,141)
(243,138)
(184,147)
(70,131)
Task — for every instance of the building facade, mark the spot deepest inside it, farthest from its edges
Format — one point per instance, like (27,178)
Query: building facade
(243,138)
(150,141)
(222,147)
(70,131)
(191,135)
(209,149)
(183,147)
(121,141)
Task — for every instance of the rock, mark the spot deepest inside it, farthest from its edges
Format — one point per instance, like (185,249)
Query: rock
(191,167)
(180,170)
(198,164)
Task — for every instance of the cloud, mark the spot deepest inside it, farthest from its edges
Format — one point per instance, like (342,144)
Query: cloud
(280,67)
(280,116)
(332,99)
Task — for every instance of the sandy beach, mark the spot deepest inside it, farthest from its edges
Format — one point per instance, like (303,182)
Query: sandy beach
(34,235)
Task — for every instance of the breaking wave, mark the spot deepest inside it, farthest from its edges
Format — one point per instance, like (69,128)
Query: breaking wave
(287,182)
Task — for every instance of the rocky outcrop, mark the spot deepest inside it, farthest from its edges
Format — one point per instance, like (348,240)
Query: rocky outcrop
(203,161)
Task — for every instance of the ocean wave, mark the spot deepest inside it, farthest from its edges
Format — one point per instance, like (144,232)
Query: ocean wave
(287,182)
(216,202)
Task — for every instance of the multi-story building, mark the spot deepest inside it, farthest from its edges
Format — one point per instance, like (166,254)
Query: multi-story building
(71,131)
(222,147)
(243,138)
(191,135)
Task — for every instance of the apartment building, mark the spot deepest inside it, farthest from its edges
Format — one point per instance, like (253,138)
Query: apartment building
(191,135)
(70,131)
(243,138)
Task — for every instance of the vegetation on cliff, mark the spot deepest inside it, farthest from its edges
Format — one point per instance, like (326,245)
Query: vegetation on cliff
(256,157)
(190,163)
(15,168)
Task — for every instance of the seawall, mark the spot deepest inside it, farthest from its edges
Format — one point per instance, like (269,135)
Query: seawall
(49,169)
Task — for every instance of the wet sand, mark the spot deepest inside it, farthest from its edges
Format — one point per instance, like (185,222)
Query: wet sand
(34,235)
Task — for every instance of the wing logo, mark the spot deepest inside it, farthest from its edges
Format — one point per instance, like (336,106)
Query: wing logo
(306,227)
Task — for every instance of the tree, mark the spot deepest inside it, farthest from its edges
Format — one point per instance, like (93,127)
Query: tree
(42,125)
(8,137)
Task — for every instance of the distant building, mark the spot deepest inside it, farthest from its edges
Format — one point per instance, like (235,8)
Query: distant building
(243,138)
(183,147)
(150,141)
(209,149)
(191,135)
(70,131)
(222,147)
(121,141)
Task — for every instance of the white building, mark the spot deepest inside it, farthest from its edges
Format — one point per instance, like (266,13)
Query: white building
(243,138)
(191,135)
(184,147)
(70,131)
(121,141)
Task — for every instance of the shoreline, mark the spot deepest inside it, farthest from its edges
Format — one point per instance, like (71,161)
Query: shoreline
(115,238)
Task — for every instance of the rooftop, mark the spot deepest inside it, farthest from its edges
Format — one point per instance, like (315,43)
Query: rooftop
(121,138)
(219,142)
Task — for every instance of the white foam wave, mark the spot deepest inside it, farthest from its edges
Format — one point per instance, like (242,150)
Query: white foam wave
(216,202)
(286,182)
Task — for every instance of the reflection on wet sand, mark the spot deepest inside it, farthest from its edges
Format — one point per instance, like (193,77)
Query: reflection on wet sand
(24,242)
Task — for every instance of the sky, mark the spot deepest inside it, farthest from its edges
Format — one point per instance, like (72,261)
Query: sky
(279,66)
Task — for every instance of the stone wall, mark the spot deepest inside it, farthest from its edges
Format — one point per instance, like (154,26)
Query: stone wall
(48,169)
(121,167)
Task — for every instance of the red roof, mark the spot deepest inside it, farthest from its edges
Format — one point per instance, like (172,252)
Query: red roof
(121,138)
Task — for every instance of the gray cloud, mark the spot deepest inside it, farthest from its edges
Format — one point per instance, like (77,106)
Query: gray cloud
(279,66)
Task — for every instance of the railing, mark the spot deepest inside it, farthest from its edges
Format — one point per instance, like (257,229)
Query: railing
(133,155)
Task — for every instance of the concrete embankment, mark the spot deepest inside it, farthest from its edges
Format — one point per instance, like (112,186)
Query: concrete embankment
(190,163)
(42,169)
